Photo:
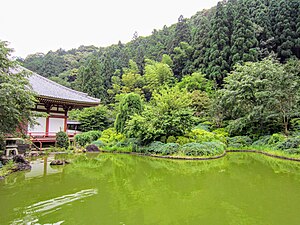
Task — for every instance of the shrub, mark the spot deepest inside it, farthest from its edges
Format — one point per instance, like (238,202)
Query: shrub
(203,149)
(62,140)
(87,137)
(182,140)
(199,136)
(169,149)
(111,137)
(171,139)
(276,138)
(221,134)
(263,140)
(289,143)
(154,147)
(203,126)
(239,141)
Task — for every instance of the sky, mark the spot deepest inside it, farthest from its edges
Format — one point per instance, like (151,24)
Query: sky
(33,26)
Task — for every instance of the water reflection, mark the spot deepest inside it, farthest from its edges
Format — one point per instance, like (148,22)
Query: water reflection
(237,189)
(41,167)
(49,206)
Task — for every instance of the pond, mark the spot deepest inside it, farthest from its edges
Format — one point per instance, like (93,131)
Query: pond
(239,189)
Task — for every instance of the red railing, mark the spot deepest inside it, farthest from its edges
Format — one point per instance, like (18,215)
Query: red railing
(35,135)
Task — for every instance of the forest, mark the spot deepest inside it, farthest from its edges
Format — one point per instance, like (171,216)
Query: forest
(228,74)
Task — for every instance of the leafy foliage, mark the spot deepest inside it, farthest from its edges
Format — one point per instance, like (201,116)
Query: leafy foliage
(111,137)
(130,104)
(62,140)
(16,99)
(85,138)
(93,118)
(168,114)
(203,149)
(259,95)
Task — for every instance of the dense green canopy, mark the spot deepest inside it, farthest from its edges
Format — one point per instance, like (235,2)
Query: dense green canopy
(16,98)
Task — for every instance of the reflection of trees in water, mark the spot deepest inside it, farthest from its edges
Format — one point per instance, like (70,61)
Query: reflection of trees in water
(146,184)
(278,165)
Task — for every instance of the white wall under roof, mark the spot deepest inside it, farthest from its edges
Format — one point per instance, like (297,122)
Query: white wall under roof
(40,127)
(56,124)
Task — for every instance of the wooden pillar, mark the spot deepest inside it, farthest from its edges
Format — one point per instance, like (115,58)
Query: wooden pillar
(48,106)
(66,108)
(47,125)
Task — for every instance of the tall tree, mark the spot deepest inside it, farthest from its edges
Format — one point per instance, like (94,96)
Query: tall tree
(219,50)
(130,104)
(91,80)
(285,15)
(259,15)
(243,39)
(16,99)
(182,32)
(260,95)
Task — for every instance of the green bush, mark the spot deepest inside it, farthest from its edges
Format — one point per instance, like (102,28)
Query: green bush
(158,147)
(111,137)
(276,138)
(203,126)
(62,140)
(239,141)
(182,140)
(263,140)
(171,139)
(87,137)
(289,143)
(203,149)
(169,149)
(199,136)
(154,147)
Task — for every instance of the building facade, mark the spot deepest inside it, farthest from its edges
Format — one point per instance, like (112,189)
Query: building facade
(54,103)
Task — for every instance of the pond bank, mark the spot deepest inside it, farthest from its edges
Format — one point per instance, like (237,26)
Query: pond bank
(208,157)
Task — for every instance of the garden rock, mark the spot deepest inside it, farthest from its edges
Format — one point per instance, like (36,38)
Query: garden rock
(92,148)
(58,162)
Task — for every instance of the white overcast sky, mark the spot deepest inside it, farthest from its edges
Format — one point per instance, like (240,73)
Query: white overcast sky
(32,26)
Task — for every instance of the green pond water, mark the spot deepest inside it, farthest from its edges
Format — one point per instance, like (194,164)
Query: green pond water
(239,189)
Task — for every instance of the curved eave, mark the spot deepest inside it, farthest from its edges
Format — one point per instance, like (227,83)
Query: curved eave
(67,101)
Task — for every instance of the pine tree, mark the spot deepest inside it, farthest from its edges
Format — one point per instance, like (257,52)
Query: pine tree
(243,39)
(284,15)
(200,41)
(217,57)
(182,32)
(259,14)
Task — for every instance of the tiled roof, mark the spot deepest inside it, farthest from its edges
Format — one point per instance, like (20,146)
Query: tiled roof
(44,87)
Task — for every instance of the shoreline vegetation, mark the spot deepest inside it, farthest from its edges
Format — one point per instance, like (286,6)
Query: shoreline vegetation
(10,167)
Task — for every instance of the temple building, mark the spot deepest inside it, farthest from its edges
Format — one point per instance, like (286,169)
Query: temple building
(55,101)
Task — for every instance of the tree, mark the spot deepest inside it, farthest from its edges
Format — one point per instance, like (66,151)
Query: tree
(93,118)
(259,15)
(260,95)
(219,51)
(182,32)
(130,104)
(16,98)
(169,114)
(243,38)
(284,17)
(182,58)
(196,81)
(157,74)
